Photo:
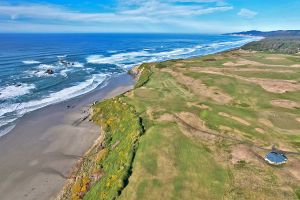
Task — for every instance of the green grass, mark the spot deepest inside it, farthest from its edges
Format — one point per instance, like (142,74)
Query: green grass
(170,161)
(122,129)
(298,192)
(189,168)
(145,73)
(180,167)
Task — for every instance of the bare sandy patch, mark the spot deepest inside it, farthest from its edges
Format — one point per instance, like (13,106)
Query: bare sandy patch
(266,122)
(245,52)
(285,103)
(243,152)
(225,128)
(275,85)
(199,88)
(270,85)
(240,120)
(276,57)
(293,167)
(242,62)
(192,119)
(201,106)
(179,65)
(149,112)
(260,130)
(166,117)
(236,69)
(296,65)
(298,119)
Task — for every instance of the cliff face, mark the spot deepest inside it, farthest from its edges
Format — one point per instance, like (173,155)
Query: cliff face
(104,170)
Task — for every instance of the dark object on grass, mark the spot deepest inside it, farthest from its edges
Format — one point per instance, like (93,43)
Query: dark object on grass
(276,158)
(209,59)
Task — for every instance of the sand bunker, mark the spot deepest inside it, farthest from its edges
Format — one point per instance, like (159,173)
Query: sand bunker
(192,120)
(242,121)
(199,88)
(235,69)
(259,130)
(285,103)
(201,106)
(275,58)
(266,122)
(296,65)
(275,85)
(270,85)
(242,62)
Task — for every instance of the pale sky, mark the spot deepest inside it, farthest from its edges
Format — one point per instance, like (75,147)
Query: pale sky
(164,16)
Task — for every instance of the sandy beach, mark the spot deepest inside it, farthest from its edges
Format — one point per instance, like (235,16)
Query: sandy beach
(38,154)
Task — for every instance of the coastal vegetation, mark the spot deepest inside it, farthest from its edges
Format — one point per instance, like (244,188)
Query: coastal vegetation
(286,45)
(103,172)
(199,128)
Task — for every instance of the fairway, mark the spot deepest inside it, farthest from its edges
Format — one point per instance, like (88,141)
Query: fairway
(199,129)
(243,99)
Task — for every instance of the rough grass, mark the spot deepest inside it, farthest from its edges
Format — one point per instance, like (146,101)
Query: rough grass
(122,128)
(175,161)
(110,159)
(173,165)
(144,76)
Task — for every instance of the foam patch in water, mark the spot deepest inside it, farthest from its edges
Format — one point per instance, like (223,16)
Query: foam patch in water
(12,91)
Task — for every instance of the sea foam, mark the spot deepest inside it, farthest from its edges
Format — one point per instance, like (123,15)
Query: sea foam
(64,94)
(130,59)
(12,91)
(30,62)
(11,112)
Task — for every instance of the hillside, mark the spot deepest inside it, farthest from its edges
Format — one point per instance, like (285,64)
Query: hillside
(287,45)
(198,128)
(279,33)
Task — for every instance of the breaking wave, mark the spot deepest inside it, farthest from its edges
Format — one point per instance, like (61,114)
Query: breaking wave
(12,91)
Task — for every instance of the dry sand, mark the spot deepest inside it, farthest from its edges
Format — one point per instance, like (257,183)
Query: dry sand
(37,156)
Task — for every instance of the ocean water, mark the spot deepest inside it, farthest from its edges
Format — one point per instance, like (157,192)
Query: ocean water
(82,62)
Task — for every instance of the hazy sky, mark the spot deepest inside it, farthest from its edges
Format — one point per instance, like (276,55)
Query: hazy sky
(174,16)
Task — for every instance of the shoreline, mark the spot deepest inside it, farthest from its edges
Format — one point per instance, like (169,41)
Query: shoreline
(39,153)
(63,118)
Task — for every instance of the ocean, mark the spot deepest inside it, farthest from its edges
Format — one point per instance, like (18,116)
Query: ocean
(37,70)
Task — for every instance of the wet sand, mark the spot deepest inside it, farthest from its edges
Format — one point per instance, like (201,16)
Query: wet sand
(38,154)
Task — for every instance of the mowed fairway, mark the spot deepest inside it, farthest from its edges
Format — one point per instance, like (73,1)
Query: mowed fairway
(209,122)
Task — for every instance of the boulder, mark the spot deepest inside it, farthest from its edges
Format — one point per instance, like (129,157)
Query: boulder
(49,71)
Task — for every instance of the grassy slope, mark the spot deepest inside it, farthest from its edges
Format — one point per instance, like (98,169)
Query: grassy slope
(282,44)
(175,160)
(171,164)
(104,171)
